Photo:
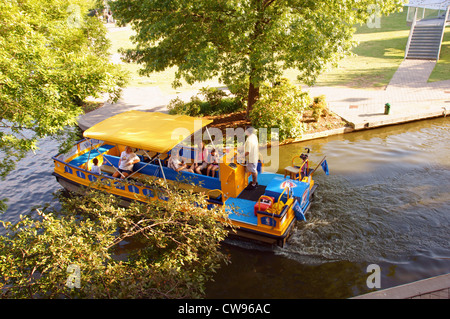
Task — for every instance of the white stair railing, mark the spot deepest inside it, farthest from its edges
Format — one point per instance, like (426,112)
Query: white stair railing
(413,24)
(443,31)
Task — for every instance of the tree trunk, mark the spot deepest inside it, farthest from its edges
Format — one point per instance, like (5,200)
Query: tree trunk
(253,95)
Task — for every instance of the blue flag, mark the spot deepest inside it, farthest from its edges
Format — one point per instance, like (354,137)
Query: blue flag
(325,167)
(298,211)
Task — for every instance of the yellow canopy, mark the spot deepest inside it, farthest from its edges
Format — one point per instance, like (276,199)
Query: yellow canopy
(152,131)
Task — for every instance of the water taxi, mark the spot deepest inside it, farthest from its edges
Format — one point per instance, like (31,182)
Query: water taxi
(266,213)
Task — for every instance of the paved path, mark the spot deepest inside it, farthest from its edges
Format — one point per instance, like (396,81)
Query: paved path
(431,288)
(410,95)
(148,98)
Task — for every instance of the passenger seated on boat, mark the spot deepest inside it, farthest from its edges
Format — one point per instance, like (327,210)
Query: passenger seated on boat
(175,163)
(214,163)
(200,162)
(126,162)
(95,168)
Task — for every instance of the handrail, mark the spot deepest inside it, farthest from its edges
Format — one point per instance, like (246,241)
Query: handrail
(413,25)
(220,191)
(443,31)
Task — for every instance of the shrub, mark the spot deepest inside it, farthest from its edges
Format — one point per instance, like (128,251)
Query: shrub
(212,95)
(319,107)
(178,248)
(280,106)
(216,103)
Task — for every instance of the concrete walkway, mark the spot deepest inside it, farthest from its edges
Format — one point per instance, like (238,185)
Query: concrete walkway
(431,288)
(410,95)
(149,99)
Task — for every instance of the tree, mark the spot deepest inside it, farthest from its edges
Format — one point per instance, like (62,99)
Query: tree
(70,254)
(52,56)
(281,106)
(243,40)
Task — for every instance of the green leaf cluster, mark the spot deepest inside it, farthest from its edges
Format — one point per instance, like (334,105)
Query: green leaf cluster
(281,106)
(176,248)
(236,40)
(52,57)
(214,102)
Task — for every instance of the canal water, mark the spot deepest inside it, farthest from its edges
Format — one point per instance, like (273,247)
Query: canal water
(386,202)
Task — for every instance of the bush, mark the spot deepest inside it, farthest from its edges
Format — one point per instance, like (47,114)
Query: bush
(178,248)
(319,107)
(280,106)
(216,102)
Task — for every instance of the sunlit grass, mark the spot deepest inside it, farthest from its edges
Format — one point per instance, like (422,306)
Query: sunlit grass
(442,69)
(374,61)
(120,38)
(376,58)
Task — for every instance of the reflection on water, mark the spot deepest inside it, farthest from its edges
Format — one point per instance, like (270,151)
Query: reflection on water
(31,183)
(386,201)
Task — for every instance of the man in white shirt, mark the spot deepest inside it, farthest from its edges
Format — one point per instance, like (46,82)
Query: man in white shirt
(251,150)
(126,162)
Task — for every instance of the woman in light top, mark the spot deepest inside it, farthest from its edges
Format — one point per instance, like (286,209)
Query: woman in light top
(175,163)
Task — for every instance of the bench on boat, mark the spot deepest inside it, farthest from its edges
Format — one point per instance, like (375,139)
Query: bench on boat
(83,158)
(170,174)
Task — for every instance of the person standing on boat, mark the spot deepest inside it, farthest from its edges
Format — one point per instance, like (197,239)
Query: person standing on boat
(251,150)
(126,162)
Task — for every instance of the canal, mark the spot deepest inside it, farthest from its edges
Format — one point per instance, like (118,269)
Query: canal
(386,202)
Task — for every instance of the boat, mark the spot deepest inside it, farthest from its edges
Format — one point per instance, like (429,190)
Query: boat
(266,214)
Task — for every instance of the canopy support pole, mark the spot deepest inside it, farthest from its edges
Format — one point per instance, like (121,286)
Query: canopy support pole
(209,135)
(152,159)
(162,171)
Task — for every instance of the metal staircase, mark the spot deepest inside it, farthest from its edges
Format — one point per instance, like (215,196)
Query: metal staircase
(425,38)
(425,42)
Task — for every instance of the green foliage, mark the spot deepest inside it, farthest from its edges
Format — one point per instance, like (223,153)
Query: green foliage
(177,248)
(237,40)
(319,108)
(215,102)
(281,106)
(50,61)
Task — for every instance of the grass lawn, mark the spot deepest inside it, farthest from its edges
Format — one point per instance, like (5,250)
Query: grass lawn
(120,38)
(442,69)
(375,60)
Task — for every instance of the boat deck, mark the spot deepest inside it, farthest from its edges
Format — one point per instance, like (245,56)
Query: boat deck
(242,208)
(83,158)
